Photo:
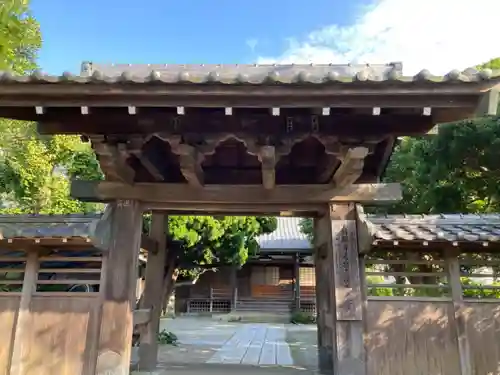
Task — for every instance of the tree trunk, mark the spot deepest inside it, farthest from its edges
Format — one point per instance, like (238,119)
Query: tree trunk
(169,285)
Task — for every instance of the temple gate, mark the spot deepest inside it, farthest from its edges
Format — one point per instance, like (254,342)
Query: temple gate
(301,140)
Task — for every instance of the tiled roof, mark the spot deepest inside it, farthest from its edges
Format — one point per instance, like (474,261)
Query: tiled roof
(460,228)
(402,228)
(48,226)
(287,236)
(249,74)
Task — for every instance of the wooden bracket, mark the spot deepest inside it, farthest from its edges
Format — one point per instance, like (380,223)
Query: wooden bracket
(134,147)
(267,157)
(190,162)
(351,167)
(112,158)
(190,159)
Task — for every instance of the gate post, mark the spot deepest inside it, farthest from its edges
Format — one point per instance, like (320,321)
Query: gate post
(339,292)
(153,293)
(118,287)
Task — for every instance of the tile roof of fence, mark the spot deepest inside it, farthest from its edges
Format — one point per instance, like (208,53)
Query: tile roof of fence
(48,226)
(444,227)
(287,236)
(417,228)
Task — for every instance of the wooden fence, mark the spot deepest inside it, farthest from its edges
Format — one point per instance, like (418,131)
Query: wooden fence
(429,313)
(49,314)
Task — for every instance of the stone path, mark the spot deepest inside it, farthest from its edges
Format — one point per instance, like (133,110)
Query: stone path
(255,344)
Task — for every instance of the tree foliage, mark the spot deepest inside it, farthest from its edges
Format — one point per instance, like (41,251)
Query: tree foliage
(20,37)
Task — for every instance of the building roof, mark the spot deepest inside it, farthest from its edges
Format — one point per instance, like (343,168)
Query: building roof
(468,228)
(287,236)
(249,74)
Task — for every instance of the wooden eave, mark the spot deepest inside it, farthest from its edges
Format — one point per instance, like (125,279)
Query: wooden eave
(245,125)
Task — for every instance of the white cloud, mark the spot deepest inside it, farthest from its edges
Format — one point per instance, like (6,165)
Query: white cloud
(439,35)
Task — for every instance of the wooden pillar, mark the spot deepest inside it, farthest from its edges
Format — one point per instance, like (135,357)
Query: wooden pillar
(118,288)
(153,293)
(22,327)
(459,311)
(340,266)
(296,281)
(324,290)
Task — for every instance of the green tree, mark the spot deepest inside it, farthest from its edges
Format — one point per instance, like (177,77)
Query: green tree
(20,37)
(196,242)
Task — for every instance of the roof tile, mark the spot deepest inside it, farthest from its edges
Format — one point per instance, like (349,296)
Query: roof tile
(247,74)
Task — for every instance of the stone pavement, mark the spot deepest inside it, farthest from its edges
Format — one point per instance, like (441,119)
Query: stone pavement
(205,341)
(256,344)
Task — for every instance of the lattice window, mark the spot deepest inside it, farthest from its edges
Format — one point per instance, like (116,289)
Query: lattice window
(12,268)
(480,276)
(407,274)
(69,273)
(307,276)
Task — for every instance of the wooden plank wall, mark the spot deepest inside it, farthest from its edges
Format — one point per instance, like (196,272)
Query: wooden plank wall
(452,332)
(45,329)
(8,310)
(419,337)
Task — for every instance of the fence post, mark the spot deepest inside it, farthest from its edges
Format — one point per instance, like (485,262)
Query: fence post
(211,299)
(453,268)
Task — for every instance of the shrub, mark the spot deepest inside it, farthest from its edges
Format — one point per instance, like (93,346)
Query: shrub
(167,338)
(300,317)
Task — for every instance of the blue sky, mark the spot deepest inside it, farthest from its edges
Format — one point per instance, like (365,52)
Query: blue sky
(439,35)
(188,31)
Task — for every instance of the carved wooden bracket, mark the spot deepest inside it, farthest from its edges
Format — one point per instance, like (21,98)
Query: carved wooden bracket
(267,157)
(351,167)
(190,159)
(134,147)
(112,158)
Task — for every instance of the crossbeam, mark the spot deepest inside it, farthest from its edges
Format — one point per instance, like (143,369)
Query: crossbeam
(282,197)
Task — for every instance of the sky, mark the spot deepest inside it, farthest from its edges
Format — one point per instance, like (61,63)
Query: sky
(439,35)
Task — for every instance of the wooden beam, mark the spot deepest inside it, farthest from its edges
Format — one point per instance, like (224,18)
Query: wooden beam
(161,121)
(488,103)
(105,191)
(351,167)
(267,157)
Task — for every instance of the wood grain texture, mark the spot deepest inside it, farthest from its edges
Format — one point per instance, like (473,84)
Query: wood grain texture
(411,338)
(8,311)
(57,339)
(118,292)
